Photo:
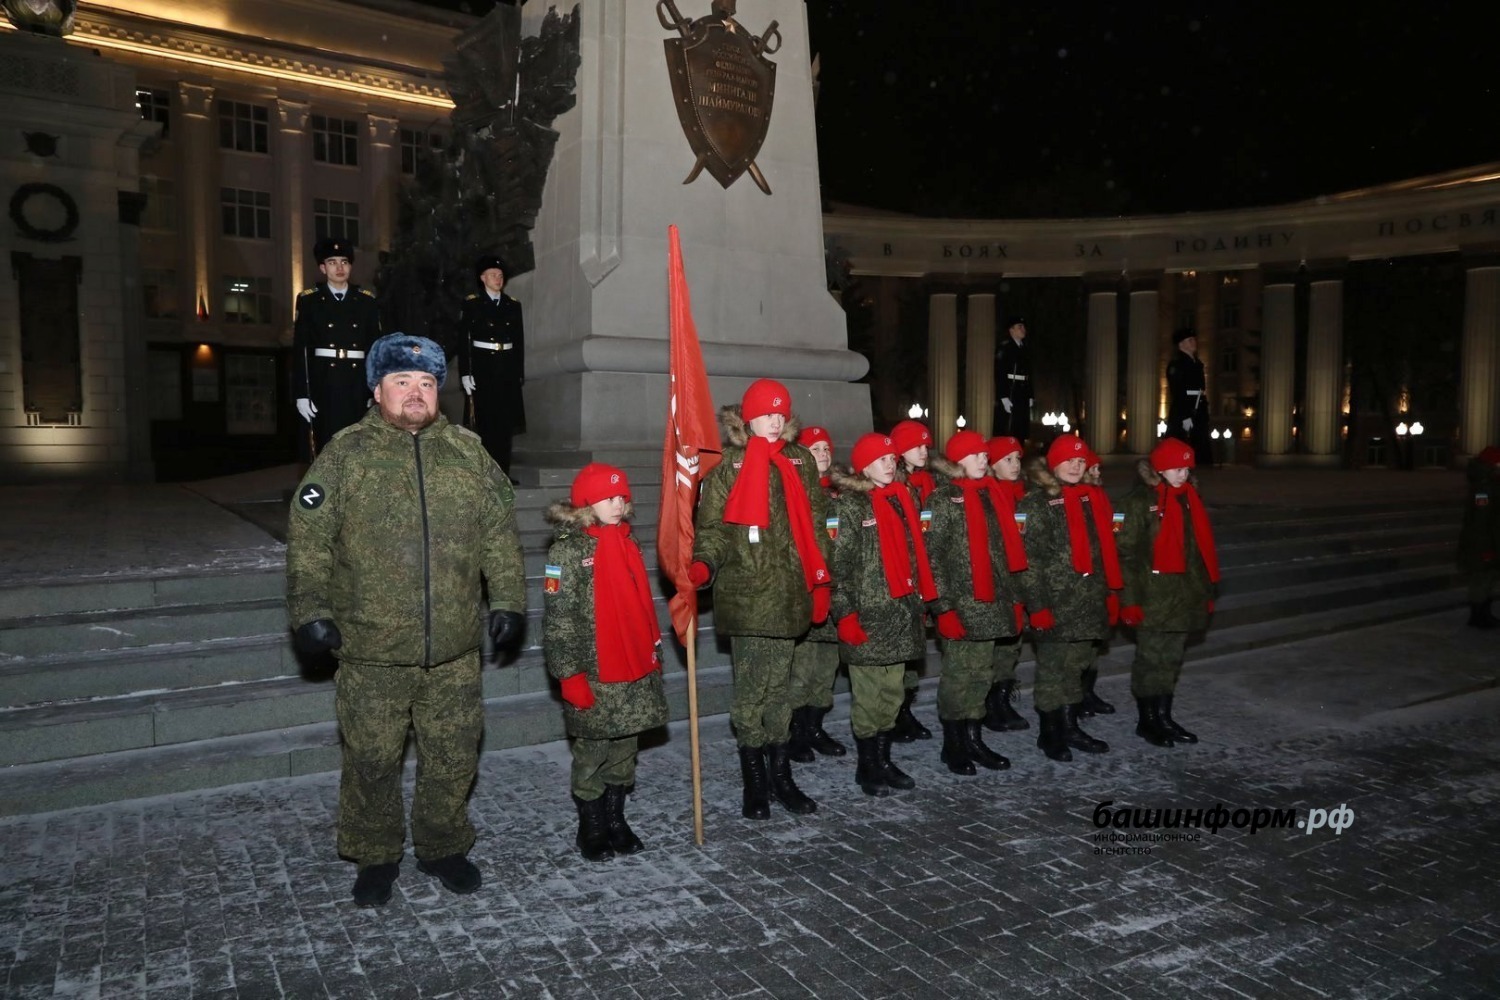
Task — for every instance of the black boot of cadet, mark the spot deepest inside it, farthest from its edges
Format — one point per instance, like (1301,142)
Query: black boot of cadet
(978,752)
(1179,734)
(1050,739)
(1149,727)
(757,800)
(1092,704)
(955,751)
(1077,738)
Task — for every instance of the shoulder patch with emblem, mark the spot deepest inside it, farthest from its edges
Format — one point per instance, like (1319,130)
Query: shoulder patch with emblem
(1118,522)
(1021,521)
(552,579)
(926,518)
(311,496)
(832,527)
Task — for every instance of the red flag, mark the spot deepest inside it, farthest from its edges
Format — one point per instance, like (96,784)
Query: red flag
(692,443)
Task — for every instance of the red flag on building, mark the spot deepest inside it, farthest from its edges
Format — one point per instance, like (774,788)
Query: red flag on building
(692,443)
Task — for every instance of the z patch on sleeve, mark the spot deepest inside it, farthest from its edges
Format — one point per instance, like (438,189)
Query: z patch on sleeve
(311,496)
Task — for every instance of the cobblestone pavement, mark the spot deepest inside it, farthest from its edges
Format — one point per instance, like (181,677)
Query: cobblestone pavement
(966,887)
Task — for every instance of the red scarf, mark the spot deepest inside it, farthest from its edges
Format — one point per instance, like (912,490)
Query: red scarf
(923,481)
(1078,536)
(626,632)
(894,558)
(981,570)
(1169,553)
(826,482)
(749,503)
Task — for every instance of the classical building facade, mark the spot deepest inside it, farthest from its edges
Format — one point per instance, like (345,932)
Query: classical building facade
(1330,330)
(235,134)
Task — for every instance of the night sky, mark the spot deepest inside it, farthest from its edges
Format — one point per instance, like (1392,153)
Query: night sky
(986,108)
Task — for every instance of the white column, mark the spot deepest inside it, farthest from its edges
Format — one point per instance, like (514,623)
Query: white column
(1325,369)
(1479,390)
(942,365)
(198,192)
(1140,373)
(290,202)
(979,377)
(1103,367)
(380,171)
(1278,340)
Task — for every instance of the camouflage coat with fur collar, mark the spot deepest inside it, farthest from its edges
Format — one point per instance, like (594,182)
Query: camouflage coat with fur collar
(948,547)
(894,624)
(1170,602)
(1050,582)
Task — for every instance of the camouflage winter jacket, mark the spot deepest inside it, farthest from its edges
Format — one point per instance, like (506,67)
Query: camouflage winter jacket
(388,535)
(758,585)
(620,709)
(1479,542)
(1050,582)
(894,624)
(948,548)
(1170,602)
(827,632)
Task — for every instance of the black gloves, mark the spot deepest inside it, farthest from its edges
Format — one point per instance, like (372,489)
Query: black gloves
(318,636)
(505,627)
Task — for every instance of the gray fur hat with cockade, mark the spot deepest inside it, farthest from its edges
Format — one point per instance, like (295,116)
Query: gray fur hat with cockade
(401,352)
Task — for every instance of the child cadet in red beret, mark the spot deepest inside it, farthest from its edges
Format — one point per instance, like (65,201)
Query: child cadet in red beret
(1004,454)
(602,641)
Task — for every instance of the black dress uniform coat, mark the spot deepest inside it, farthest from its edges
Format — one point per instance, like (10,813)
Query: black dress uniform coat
(1013,382)
(330,339)
(1188,400)
(493,352)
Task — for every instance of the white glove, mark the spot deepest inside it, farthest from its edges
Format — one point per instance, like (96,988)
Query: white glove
(307,409)
(1187,424)
(1005,402)
(468,381)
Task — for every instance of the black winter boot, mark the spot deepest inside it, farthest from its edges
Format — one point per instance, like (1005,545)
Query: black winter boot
(621,837)
(1077,738)
(1149,728)
(593,830)
(981,754)
(799,743)
(1480,616)
(757,801)
(1170,724)
(1050,739)
(783,788)
(372,886)
(907,727)
(955,751)
(1092,704)
(999,716)
(868,773)
(819,739)
(894,776)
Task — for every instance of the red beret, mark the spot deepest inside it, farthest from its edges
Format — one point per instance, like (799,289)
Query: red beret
(964,443)
(1490,455)
(1065,448)
(812,435)
(765,395)
(1173,454)
(908,434)
(869,448)
(597,481)
(999,447)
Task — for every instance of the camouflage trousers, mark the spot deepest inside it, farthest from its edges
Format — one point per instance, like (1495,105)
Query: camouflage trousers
(1482,585)
(375,706)
(814,666)
(1003,663)
(597,763)
(1059,669)
(967,669)
(1158,662)
(875,695)
(761,711)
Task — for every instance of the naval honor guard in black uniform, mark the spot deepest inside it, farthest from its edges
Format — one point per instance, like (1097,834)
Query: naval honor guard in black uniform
(492,360)
(336,324)
(1187,398)
(1013,383)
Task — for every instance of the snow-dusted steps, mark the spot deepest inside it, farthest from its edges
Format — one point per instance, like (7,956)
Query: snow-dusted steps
(132,687)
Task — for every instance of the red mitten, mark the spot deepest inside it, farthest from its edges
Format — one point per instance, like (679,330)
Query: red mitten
(1132,615)
(699,574)
(576,692)
(850,631)
(1020,610)
(1043,620)
(1210,607)
(1112,608)
(822,598)
(949,627)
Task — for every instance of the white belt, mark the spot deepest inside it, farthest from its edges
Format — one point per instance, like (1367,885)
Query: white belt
(1016,378)
(337,352)
(491,346)
(1193,392)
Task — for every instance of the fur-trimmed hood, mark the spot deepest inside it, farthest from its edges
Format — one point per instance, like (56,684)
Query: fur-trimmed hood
(562,515)
(1152,478)
(1035,472)
(942,467)
(737,431)
(846,481)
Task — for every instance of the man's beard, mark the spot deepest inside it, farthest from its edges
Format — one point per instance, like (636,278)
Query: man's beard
(412,422)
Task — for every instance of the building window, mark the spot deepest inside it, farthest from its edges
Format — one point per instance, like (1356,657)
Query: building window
(247,300)
(412,144)
(161,203)
(250,394)
(1231,315)
(244,127)
(154,106)
(336,220)
(335,140)
(1229,361)
(159,293)
(246,213)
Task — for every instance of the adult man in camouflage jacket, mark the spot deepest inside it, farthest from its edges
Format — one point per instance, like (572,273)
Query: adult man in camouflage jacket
(389,533)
